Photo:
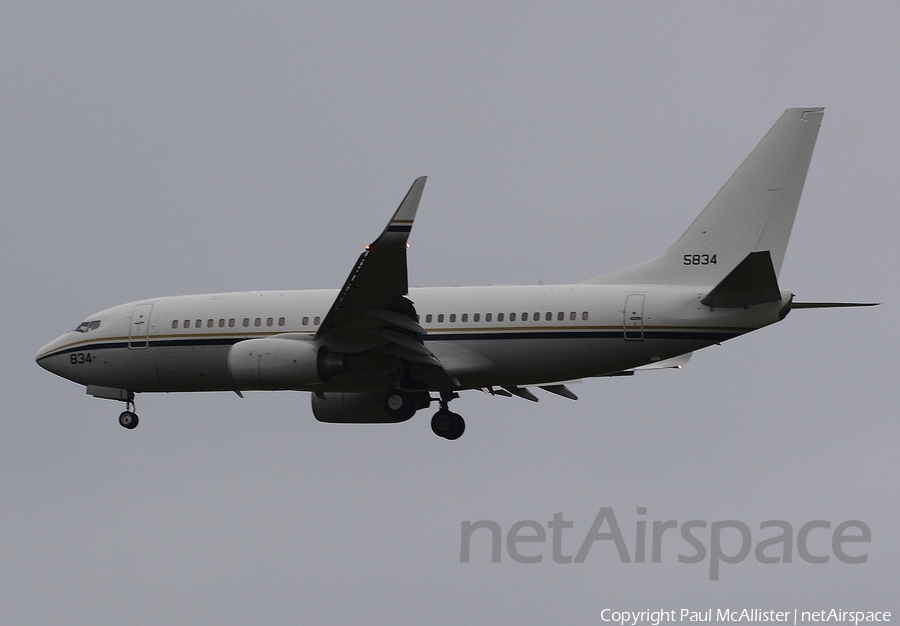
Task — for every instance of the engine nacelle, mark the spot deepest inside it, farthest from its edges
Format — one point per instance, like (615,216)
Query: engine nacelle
(275,363)
(351,408)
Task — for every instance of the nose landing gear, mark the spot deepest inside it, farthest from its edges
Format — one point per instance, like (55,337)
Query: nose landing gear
(128,418)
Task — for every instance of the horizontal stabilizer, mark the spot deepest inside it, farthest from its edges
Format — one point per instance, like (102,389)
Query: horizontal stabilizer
(829,305)
(753,281)
(673,363)
(668,364)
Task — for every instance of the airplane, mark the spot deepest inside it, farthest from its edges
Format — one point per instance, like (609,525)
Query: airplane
(376,351)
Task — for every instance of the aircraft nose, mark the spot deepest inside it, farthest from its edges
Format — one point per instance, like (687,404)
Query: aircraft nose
(46,358)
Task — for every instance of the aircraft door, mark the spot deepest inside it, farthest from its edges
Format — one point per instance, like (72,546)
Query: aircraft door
(139,329)
(633,323)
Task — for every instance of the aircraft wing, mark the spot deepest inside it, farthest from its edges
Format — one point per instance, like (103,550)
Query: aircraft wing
(371,313)
(379,278)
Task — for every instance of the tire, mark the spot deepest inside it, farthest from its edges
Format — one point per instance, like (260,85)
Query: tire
(458,427)
(128,420)
(442,423)
(448,425)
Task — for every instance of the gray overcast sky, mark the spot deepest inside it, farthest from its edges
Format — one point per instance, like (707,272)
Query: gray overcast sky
(171,148)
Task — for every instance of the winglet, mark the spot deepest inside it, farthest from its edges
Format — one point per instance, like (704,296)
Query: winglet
(402,221)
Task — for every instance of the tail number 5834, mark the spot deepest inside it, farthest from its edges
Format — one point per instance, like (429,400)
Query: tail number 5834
(699,259)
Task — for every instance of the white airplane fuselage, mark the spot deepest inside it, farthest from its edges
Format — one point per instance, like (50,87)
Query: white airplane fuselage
(375,351)
(522,335)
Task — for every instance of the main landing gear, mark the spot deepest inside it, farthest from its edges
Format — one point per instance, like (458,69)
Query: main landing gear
(402,405)
(445,422)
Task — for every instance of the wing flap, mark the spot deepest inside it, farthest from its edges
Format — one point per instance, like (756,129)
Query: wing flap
(560,390)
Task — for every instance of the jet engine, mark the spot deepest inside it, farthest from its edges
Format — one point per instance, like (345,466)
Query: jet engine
(361,408)
(280,363)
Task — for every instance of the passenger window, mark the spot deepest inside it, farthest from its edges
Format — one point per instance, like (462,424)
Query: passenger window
(476,317)
(304,321)
(499,317)
(174,323)
(572,316)
(257,322)
(231,323)
(187,323)
(465,317)
(584,315)
(428,318)
(221,323)
(488,317)
(281,321)
(440,318)
(269,321)
(524,317)
(453,317)
(512,317)
(209,323)
(560,316)
(317,320)
(198,324)
(537,316)
(548,316)
(246,322)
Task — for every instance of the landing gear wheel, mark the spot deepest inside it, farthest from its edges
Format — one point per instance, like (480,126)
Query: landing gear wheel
(399,405)
(448,425)
(459,427)
(128,419)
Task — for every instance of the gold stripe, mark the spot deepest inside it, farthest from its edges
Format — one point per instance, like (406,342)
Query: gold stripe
(590,328)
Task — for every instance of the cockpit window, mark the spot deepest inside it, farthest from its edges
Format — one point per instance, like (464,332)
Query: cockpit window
(85,327)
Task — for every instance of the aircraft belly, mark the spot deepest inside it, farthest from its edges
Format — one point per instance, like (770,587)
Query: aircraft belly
(193,368)
(152,369)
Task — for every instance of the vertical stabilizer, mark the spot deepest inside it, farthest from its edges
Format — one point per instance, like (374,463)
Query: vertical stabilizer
(754,211)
